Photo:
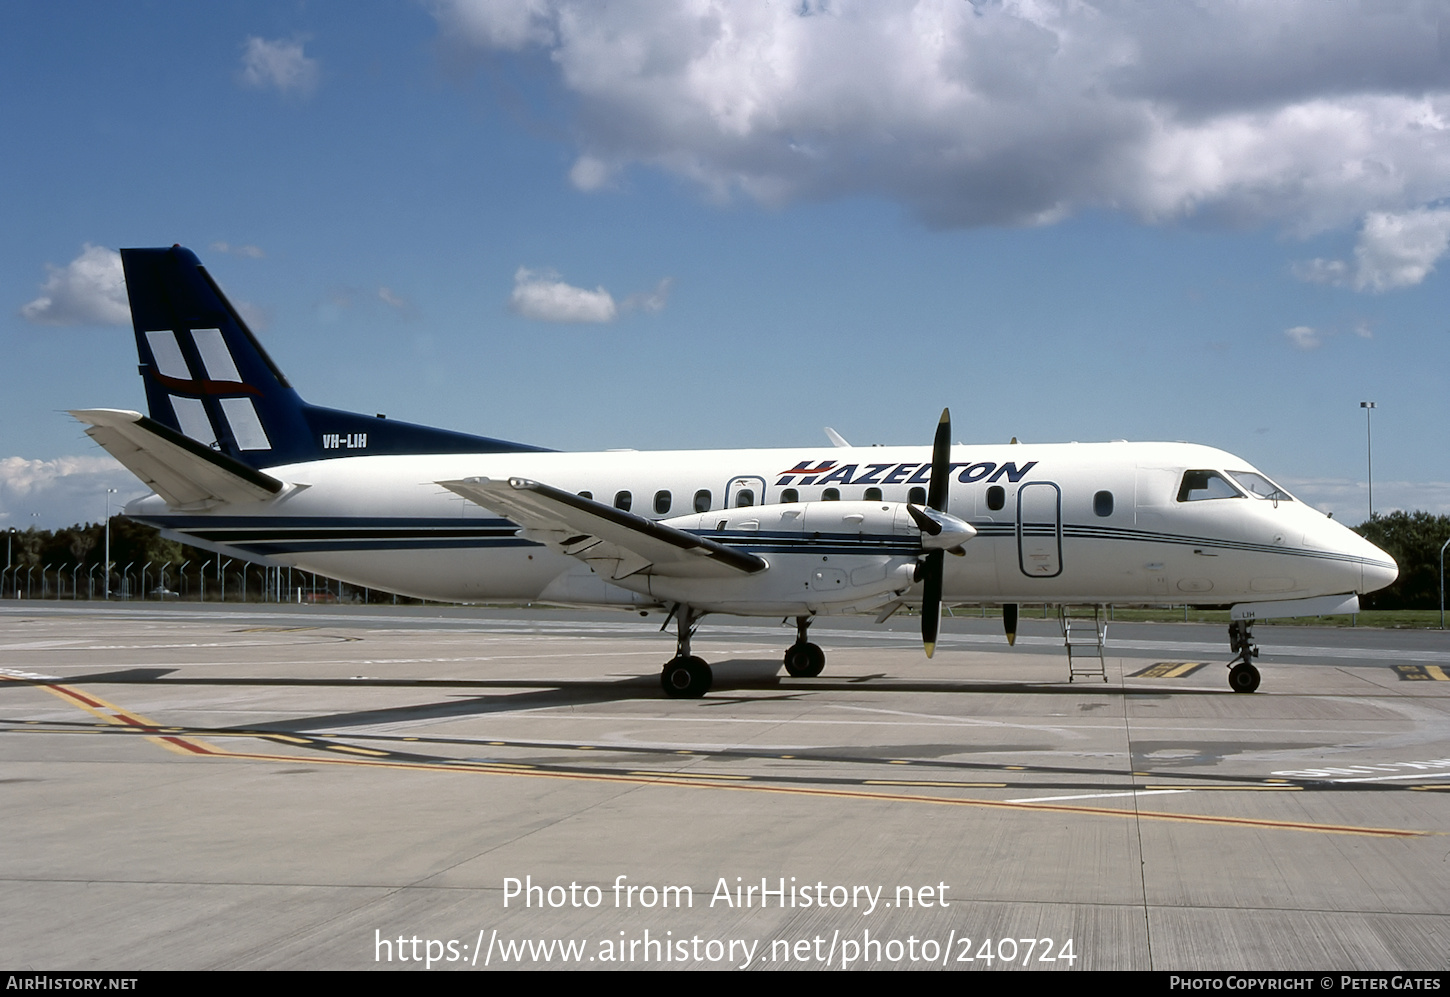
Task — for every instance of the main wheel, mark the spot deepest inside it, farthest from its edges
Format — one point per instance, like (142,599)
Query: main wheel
(804,660)
(1243,678)
(686,678)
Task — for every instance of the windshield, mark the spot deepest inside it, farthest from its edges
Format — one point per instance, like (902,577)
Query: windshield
(1259,486)
(1200,485)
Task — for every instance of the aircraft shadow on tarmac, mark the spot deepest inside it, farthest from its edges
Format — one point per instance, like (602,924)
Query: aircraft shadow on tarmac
(737,674)
(733,674)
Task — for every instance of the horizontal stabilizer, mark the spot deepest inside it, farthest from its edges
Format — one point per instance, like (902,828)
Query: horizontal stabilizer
(179,469)
(614,542)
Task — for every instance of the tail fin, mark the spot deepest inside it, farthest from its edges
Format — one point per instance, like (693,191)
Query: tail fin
(208,378)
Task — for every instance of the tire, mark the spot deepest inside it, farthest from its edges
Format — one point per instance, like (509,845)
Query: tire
(1243,678)
(804,661)
(686,678)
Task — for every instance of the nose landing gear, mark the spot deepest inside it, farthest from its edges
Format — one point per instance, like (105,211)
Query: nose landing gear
(803,659)
(1243,677)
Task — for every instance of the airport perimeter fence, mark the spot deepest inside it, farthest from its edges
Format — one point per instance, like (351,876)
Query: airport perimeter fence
(216,580)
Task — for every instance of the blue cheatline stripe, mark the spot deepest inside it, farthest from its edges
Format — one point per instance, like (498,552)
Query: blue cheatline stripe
(171,522)
(302,547)
(292,534)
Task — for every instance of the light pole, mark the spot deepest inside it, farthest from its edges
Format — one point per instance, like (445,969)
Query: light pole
(1369,452)
(1442,583)
(107,579)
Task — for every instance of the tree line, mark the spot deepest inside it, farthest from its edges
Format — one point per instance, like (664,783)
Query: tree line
(1413,539)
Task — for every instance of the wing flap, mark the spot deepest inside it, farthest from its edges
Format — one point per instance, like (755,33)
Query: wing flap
(614,542)
(179,469)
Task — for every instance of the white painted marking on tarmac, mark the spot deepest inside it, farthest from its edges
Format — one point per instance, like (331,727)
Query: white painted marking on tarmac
(1100,796)
(16,673)
(1365,773)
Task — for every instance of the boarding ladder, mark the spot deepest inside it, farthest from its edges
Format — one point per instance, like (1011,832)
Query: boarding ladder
(1084,638)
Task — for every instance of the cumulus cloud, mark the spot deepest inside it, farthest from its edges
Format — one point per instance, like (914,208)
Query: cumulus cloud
(89,290)
(1393,251)
(1305,116)
(1400,250)
(1304,337)
(649,301)
(248,251)
(63,491)
(1348,499)
(278,64)
(542,295)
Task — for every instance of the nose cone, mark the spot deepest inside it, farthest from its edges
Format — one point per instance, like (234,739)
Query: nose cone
(1377,570)
(1354,563)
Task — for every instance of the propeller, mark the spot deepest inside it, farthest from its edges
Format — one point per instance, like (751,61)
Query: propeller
(1009,622)
(933,565)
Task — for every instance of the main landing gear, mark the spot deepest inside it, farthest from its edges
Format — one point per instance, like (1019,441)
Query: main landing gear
(688,677)
(1243,677)
(804,660)
(685,676)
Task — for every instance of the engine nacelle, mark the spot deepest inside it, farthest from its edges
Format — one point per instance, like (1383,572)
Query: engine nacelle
(823,557)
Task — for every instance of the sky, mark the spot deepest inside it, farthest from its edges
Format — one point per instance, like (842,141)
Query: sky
(717,225)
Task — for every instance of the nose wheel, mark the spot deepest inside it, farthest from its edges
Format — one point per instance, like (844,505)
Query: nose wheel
(804,660)
(1243,677)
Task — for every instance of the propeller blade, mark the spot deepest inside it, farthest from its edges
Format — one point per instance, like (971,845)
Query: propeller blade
(1009,622)
(924,523)
(941,462)
(934,564)
(932,568)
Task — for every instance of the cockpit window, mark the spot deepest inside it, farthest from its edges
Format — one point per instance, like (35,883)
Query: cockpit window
(1200,485)
(1259,486)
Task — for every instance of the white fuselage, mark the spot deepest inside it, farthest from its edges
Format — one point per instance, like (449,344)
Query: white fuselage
(1048,535)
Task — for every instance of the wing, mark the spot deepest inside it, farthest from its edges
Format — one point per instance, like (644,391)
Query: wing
(613,542)
(179,469)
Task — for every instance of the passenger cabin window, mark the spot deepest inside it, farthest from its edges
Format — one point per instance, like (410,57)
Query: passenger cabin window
(1200,485)
(996,497)
(831,495)
(588,495)
(917,496)
(623,500)
(663,500)
(1103,503)
(703,500)
(744,497)
(790,496)
(872,495)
